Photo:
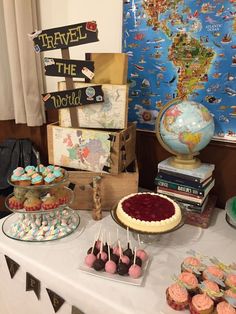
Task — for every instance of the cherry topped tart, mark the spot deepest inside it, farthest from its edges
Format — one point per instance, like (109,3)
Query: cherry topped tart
(149,212)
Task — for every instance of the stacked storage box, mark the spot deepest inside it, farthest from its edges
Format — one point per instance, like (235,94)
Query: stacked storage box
(104,142)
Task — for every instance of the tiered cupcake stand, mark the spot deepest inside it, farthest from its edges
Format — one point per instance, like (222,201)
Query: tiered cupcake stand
(44,224)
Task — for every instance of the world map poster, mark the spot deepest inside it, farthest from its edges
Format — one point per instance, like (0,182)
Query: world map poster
(181,48)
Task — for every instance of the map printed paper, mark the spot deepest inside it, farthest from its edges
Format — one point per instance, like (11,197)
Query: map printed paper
(81,149)
(182,48)
(111,114)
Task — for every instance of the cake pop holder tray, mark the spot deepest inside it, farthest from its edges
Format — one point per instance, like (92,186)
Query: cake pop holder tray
(146,237)
(12,226)
(116,277)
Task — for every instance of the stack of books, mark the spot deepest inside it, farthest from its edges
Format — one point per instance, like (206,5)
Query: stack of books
(190,187)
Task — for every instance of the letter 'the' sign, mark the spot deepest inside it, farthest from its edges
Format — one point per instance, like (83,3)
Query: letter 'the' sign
(64,37)
(69,68)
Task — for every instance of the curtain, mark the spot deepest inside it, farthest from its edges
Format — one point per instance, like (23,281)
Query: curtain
(21,81)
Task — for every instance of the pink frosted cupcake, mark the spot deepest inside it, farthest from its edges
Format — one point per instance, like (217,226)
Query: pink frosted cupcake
(189,281)
(212,290)
(230,297)
(192,265)
(230,281)
(201,304)
(214,273)
(177,297)
(224,308)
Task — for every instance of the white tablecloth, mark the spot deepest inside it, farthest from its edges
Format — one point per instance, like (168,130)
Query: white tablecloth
(56,264)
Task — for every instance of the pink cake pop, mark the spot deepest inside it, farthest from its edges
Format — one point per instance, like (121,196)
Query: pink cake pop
(141,253)
(116,249)
(91,258)
(98,242)
(124,259)
(135,271)
(110,266)
(102,255)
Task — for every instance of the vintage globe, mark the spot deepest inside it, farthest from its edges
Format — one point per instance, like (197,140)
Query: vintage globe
(184,128)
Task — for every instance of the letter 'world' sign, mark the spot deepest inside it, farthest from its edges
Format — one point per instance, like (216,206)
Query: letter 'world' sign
(74,97)
(69,68)
(64,37)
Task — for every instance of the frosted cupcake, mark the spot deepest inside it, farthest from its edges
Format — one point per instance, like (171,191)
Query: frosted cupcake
(224,308)
(192,265)
(212,290)
(214,273)
(201,304)
(177,297)
(230,281)
(32,204)
(37,179)
(49,179)
(40,168)
(19,171)
(230,297)
(58,175)
(15,179)
(189,281)
(16,203)
(51,168)
(50,202)
(24,180)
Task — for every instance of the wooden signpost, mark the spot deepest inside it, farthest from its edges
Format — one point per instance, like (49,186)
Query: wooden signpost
(63,38)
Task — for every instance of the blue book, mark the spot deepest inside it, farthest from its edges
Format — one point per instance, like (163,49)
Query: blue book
(199,174)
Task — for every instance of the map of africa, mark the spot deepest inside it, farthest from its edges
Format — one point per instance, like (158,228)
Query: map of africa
(182,48)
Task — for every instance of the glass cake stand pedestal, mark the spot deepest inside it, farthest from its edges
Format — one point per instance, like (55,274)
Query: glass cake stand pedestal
(146,237)
(49,222)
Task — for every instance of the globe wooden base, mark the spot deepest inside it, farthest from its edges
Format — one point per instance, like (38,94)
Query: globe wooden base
(186,162)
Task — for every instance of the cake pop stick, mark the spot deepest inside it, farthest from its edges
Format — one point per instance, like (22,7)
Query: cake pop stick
(135,271)
(98,242)
(123,258)
(110,266)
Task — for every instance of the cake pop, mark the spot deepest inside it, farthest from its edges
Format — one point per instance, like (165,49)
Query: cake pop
(128,252)
(135,271)
(122,268)
(91,258)
(110,266)
(142,254)
(95,250)
(116,249)
(99,264)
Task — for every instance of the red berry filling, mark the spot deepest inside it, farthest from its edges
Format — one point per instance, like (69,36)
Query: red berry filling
(148,207)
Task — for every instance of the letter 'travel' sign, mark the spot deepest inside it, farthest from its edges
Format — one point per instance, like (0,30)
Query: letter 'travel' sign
(74,97)
(69,68)
(64,37)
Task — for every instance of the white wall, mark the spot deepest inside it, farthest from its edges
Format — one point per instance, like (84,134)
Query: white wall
(107,14)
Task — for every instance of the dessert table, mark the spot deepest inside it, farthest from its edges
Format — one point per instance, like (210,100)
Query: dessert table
(56,264)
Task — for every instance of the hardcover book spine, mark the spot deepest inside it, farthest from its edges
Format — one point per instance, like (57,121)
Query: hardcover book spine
(180,196)
(181,175)
(180,188)
(178,180)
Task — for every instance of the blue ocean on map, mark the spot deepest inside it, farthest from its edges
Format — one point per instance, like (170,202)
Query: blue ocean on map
(160,70)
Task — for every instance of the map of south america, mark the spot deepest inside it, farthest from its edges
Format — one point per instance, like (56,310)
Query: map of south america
(177,48)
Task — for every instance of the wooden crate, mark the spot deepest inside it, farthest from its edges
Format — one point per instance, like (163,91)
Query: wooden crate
(67,148)
(110,68)
(113,187)
(112,114)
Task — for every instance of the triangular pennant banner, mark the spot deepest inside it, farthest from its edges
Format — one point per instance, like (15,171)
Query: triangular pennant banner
(106,169)
(76,311)
(34,284)
(55,299)
(12,266)
(71,186)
